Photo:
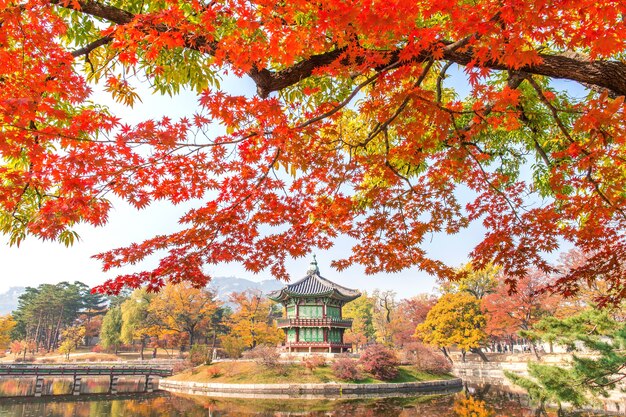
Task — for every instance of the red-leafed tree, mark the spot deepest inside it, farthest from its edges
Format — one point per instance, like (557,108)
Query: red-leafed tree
(509,313)
(409,313)
(352,100)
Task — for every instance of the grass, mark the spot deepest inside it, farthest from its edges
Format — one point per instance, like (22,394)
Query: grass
(247,372)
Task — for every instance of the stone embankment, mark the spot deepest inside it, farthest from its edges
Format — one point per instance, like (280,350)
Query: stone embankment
(329,390)
(493,373)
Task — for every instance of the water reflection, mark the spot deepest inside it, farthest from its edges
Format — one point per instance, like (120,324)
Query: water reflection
(16,387)
(164,404)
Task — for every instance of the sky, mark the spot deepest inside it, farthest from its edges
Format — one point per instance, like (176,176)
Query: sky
(36,262)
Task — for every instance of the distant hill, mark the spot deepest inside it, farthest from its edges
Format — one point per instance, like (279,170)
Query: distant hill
(225,286)
(8,300)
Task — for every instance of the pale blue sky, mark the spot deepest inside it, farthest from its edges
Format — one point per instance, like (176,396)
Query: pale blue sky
(36,262)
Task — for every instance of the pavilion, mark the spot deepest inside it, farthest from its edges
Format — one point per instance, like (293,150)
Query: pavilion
(313,320)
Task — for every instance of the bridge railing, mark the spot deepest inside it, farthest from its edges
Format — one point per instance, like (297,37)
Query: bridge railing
(50,370)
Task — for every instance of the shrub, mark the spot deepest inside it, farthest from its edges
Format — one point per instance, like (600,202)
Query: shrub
(200,355)
(380,361)
(346,369)
(181,366)
(429,360)
(313,362)
(264,355)
(97,349)
(213,372)
(233,346)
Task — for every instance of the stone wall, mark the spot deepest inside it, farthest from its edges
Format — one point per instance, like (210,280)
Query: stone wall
(492,373)
(331,390)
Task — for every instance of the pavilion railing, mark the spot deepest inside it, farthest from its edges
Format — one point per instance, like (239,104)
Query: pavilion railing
(318,344)
(318,322)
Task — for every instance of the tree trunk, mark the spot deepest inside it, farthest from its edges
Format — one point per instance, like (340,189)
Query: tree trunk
(143,345)
(480,353)
(533,348)
(445,353)
(36,339)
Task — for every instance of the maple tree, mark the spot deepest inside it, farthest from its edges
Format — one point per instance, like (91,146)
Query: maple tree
(353,101)
(409,313)
(509,313)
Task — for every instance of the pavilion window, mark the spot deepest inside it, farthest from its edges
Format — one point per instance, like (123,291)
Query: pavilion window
(311,312)
(332,312)
(291,335)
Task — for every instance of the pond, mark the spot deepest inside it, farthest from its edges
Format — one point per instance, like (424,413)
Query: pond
(475,402)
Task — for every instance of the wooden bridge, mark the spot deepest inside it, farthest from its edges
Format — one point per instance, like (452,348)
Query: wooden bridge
(78,372)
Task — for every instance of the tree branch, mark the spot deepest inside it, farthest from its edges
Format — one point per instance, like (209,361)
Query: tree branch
(610,75)
(93,45)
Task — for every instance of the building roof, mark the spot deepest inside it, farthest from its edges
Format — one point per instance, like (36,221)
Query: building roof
(313,284)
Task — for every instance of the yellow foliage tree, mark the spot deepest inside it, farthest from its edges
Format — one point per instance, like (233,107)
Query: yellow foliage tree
(456,320)
(71,338)
(477,282)
(252,320)
(6,327)
(181,309)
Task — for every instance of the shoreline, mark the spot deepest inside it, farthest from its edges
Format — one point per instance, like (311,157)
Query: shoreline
(311,391)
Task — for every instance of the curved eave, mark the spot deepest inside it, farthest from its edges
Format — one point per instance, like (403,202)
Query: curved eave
(284,295)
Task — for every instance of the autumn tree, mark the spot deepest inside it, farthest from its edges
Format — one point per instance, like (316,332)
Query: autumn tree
(510,313)
(361,311)
(591,288)
(6,328)
(456,320)
(252,319)
(410,313)
(355,102)
(184,310)
(71,338)
(477,282)
(384,310)
(22,347)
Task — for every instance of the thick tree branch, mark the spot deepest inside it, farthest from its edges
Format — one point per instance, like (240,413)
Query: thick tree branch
(610,75)
(93,45)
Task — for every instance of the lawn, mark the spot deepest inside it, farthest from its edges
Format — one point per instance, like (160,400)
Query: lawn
(248,372)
